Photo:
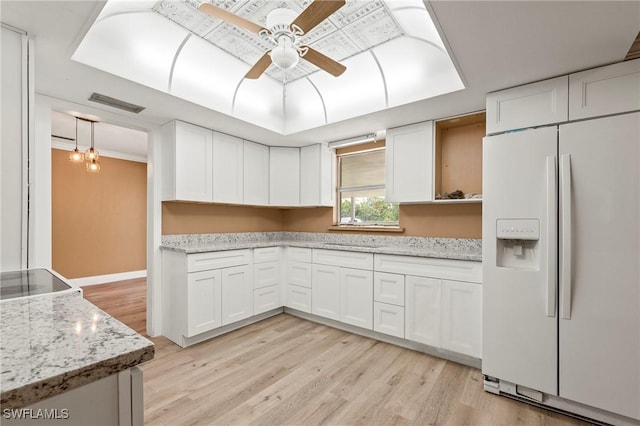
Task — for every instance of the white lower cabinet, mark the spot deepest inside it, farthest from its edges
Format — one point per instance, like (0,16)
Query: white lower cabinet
(236,294)
(356,297)
(266,299)
(422,310)
(204,301)
(325,290)
(462,317)
(299,298)
(388,319)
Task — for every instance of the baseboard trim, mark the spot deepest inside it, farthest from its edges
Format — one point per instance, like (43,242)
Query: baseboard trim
(102,279)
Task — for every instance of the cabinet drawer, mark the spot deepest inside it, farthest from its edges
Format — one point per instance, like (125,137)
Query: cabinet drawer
(266,274)
(299,273)
(217,259)
(299,254)
(388,319)
(536,104)
(266,299)
(266,254)
(388,288)
(346,259)
(602,91)
(299,298)
(461,270)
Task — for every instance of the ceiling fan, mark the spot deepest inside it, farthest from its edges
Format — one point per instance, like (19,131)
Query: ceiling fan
(284,30)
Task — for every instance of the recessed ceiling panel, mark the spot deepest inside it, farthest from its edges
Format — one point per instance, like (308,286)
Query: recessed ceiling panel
(303,107)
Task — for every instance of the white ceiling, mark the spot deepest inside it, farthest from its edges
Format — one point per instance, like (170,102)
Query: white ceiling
(494,45)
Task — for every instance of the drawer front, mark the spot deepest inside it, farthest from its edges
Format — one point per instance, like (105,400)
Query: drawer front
(299,273)
(266,299)
(299,254)
(217,259)
(388,288)
(345,259)
(535,104)
(388,319)
(266,274)
(299,298)
(459,270)
(266,254)
(602,91)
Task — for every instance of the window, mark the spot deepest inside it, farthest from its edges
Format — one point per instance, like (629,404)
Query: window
(361,190)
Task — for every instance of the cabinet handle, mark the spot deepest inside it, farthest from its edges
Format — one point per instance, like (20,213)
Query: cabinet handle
(551,235)
(565,260)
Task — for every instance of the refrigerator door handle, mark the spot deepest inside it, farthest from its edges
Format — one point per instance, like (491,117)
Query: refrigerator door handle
(551,235)
(565,258)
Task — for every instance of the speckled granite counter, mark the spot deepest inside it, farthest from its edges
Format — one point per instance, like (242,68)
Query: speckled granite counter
(56,342)
(443,248)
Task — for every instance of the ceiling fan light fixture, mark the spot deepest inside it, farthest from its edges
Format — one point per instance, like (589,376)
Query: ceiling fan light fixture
(285,56)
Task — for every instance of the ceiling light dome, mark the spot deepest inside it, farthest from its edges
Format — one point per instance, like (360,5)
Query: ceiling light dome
(285,56)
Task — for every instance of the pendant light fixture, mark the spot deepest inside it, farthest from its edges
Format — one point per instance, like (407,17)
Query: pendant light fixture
(76,155)
(93,165)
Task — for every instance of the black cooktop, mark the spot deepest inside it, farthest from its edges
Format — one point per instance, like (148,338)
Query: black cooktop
(29,282)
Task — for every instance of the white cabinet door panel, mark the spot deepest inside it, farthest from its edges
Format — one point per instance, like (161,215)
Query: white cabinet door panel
(193,163)
(299,298)
(422,310)
(228,165)
(204,302)
(316,176)
(356,297)
(284,176)
(236,294)
(388,319)
(388,288)
(325,291)
(462,317)
(256,174)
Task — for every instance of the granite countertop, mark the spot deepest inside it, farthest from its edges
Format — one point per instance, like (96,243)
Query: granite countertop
(56,342)
(442,249)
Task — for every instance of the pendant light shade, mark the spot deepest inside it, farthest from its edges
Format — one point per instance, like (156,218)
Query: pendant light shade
(93,166)
(76,155)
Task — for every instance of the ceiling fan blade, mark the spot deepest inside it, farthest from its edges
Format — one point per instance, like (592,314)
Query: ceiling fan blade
(259,67)
(323,62)
(229,17)
(317,12)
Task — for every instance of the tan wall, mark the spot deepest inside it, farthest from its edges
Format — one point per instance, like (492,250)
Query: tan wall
(419,220)
(98,219)
(193,218)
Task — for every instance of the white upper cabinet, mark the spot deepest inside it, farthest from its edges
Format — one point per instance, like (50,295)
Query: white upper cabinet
(284,176)
(228,165)
(316,176)
(535,104)
(607,90)
(256,174)
(409,163)
(187,162)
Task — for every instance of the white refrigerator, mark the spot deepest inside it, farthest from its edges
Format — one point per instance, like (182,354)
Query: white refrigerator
(561,262)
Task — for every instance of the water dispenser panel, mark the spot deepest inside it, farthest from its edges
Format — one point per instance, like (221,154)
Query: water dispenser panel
(518,229)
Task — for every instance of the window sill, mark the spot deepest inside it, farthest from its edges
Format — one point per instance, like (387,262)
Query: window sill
(358,228)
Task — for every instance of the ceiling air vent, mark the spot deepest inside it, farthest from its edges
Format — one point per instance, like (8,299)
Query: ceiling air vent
(115,103)
(634,50)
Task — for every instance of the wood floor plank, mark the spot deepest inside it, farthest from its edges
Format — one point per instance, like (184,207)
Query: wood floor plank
(288,371)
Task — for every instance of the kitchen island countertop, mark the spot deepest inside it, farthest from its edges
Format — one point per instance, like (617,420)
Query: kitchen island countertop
(56,342)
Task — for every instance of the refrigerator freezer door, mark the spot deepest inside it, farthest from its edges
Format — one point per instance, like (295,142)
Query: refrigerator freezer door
(519,286)
(600,342)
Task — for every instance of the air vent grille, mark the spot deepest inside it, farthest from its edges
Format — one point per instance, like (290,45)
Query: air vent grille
(115,103)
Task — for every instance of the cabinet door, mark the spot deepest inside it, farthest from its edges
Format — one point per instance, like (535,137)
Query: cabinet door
(388,288)
(256,174)
(236,294)
(203,302)
(356,297)
(535,104)
(325,291)
(299,298)
(193,163)
(228,165)
(462,317)
(409,163)
(284,176)
(388,319)
(266,299)
(603,91)
(316,176)
(422,310)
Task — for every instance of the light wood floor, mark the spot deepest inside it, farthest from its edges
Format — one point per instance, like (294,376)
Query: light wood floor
(288,371)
